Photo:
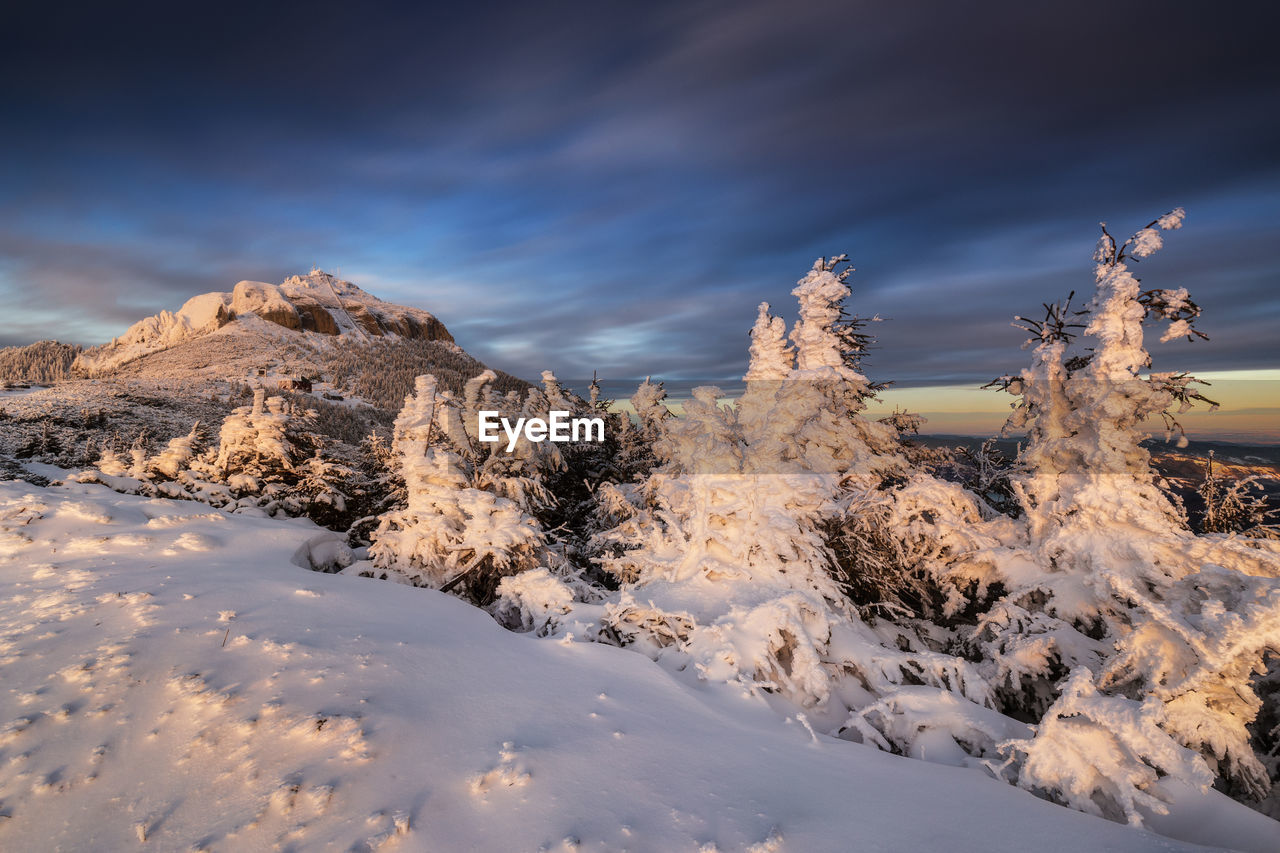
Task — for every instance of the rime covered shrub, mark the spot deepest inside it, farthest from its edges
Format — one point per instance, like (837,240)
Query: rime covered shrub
(1128,637)
(1051,618)
(326,491)
(462,524)
(259,444)
(1235,505)
(177,455)
(266,457)
(729,554)
(1102,754)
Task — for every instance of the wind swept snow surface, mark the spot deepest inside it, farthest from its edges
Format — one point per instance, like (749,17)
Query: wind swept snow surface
(171,679)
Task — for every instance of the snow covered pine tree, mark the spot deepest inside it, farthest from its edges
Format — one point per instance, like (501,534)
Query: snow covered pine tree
(725,555)
(456,530)
(1089,648)
(1130,639)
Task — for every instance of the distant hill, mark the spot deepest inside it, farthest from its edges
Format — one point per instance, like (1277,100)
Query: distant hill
(1183,469)
(43,361)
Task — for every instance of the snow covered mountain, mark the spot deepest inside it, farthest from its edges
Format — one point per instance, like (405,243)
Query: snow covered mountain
(343,353)
(317,303)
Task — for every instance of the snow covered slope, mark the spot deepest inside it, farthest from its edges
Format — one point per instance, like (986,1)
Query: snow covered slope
(172,679)
(317,303)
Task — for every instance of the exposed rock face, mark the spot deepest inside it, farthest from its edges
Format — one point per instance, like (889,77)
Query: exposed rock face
(199,315)
(363,318)
(394,320)
(429,329)
(315,303)
(223,316)
(314,316)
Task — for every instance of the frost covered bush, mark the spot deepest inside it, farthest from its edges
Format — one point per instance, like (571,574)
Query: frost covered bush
(259,445)
(1051,618)
(1234,506)
(266,458)
(1102,754)
(164,474)
(536,600)
(737,555)
(465,523)
(325,491)
(177,455)
(1113,624)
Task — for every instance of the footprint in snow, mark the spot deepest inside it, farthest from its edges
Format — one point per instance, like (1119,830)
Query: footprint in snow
(509,772)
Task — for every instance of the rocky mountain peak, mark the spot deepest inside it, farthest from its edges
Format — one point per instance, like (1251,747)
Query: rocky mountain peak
(314,304)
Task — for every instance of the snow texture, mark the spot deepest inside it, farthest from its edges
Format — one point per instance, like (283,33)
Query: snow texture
(229,700)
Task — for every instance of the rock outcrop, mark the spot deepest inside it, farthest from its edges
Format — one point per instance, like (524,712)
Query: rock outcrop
(265,300)
(315,318)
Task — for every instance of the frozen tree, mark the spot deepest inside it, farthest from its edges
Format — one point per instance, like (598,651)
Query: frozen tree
(813,418)
(595,396)
(176,457)
(557,397)
(771,362)
(258,446)
(725,552)
(986,472)
(1084,411)
(111,464)
(1043,408)
(321,492)
(1116,626)
(377,482)
(704,546)
(1083,465)
(821,340)
(452,532)
(138,457)
(1236,506)
(821,403)
(649,404)
(635,457)
(771,358)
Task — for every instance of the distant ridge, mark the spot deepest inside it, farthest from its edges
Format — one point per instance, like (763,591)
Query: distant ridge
(43,361)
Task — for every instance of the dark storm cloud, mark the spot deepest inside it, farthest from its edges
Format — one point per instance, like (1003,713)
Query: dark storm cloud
(616,186)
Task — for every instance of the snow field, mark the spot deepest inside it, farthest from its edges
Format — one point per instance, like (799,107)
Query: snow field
(155,697)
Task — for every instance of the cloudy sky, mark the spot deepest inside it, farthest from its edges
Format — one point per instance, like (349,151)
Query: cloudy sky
(615,186)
